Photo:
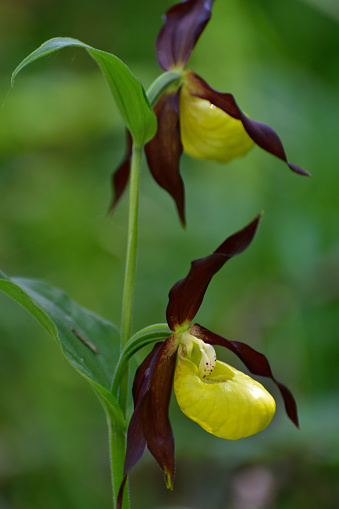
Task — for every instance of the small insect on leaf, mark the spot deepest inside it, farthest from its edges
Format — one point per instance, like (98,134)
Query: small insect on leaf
(90,345)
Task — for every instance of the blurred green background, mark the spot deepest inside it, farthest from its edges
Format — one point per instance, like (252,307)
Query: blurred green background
(60,139)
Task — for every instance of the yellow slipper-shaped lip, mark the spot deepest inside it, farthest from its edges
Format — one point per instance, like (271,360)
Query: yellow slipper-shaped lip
(227,403)
(207,132)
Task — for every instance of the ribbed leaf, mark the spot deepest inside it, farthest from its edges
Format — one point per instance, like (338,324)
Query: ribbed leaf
(90,343)
(127,90)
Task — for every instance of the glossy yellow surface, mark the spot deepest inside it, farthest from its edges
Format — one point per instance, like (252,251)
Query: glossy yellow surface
(226,403)
(207,132)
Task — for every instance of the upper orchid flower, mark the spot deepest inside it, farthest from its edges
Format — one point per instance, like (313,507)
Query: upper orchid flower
(221,399)
(192,116)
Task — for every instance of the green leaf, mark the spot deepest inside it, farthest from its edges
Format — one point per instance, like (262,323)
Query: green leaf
(127,90)
(90,343)
(162,83)
(151,334)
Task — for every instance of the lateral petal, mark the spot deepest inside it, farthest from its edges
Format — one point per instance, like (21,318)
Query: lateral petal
(136,440)
(136,446)
(163,152)
(263,135)
(142,378)
(256,362)
(157,428)
(186,296)
(183,25)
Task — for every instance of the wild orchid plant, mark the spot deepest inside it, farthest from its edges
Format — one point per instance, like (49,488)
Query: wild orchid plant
(179,113)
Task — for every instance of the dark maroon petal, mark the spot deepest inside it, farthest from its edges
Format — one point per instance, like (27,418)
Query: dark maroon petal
(186,295)
(121,175)
(256,362)
(157,428)
(149,424)
(263,135)
(163,152)
(239,241)
(136,441)
(136,446)
(142,376)
(183,24)
(121,493)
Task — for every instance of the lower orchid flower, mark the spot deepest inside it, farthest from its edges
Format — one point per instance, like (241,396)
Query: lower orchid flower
(222,400)
(193,117)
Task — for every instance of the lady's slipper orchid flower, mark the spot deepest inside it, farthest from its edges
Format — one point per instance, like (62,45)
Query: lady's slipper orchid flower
(194,117)
(221,399)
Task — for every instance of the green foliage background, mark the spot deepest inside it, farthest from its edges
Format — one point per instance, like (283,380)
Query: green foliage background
(60,139)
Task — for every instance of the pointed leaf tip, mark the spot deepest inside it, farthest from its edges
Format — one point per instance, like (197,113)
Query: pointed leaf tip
(126,89)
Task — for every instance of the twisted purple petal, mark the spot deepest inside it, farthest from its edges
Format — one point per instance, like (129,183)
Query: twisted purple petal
(163,152)
(263,135)
(183,25)
(186,295)
(256,362)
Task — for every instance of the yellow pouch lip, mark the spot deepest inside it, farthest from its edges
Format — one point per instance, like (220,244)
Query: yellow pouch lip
(207,132)
(227,404)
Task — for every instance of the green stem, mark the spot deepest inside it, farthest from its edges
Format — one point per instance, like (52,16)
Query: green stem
(117,440)
(131,257)
(117,453)
(157,88)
